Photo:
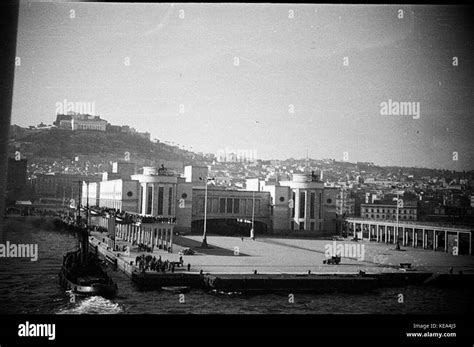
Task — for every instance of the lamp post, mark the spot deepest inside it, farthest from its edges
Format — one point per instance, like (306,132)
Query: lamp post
(79,203)
(252,236)
(342,212)
(204,236)
(399,204)
(87,204)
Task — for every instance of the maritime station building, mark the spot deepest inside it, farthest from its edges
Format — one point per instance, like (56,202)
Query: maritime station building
(301,204)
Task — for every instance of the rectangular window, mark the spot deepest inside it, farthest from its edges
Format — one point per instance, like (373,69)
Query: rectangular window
(244,205)
(229,205)
(301,225)
(142,199)
(215,205)
(236,205)
(249,207)
(201,205)
(222,205)
(311,205)
(170,200)
(302,204)
(292,227)
(294,205)
(160,200)
(149,199)
(257,206)
(320,210)
(312,225)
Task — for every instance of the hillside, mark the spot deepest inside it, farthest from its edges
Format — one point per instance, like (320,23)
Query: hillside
(66,144)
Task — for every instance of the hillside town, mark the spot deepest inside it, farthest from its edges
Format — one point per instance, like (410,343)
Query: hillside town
(439,196)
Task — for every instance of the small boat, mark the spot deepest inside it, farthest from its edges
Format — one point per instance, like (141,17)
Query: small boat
(90,279)
(82,272)
(177,289)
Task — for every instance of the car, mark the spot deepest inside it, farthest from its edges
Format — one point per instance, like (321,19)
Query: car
(335,260)
(187,251)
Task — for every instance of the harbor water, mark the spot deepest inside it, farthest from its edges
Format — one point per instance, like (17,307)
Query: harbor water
(32,287)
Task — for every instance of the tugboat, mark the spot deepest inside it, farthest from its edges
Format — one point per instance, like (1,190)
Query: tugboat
(82,272)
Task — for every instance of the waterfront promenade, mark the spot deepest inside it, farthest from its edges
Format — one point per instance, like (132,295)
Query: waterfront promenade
(274,255)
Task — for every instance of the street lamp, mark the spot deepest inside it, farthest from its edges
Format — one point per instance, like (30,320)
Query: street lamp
(342,212)
(87,204)
(399,205)
(204,237)
(253,215)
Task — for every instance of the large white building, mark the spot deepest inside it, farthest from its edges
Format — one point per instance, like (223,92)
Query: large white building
(119,194)
(157,193)
(81,122)
(307,202)
(388,212)
(299,204)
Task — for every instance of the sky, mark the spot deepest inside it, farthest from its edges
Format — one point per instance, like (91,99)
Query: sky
(277,80)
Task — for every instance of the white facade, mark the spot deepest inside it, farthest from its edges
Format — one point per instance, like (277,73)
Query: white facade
(119,194)
(307,212)
(157,193)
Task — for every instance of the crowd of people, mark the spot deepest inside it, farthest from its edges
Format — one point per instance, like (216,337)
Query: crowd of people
(151,263)
(123,217)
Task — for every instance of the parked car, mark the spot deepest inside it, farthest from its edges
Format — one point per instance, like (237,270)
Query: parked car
(187,251)
(335,260)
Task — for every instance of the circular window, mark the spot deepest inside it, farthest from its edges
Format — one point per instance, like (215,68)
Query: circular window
(184,195)
(329,201)
(129,194)
(282,198)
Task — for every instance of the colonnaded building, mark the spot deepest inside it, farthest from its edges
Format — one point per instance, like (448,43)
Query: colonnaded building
(300,204)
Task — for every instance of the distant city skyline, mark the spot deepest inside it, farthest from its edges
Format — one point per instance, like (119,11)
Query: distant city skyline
(388,84)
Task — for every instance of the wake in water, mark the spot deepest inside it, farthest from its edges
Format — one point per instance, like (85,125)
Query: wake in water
(92,305)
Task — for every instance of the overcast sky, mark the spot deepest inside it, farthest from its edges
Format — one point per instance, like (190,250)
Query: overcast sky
(238,71)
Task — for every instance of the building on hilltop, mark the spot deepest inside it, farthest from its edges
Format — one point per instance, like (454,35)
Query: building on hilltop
(74,121)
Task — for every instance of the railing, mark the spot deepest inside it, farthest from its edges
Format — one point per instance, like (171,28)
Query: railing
(420,223)
(123,217)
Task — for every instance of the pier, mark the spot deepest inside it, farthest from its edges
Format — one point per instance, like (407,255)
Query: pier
(158,235)
(255,283)
(276,265)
